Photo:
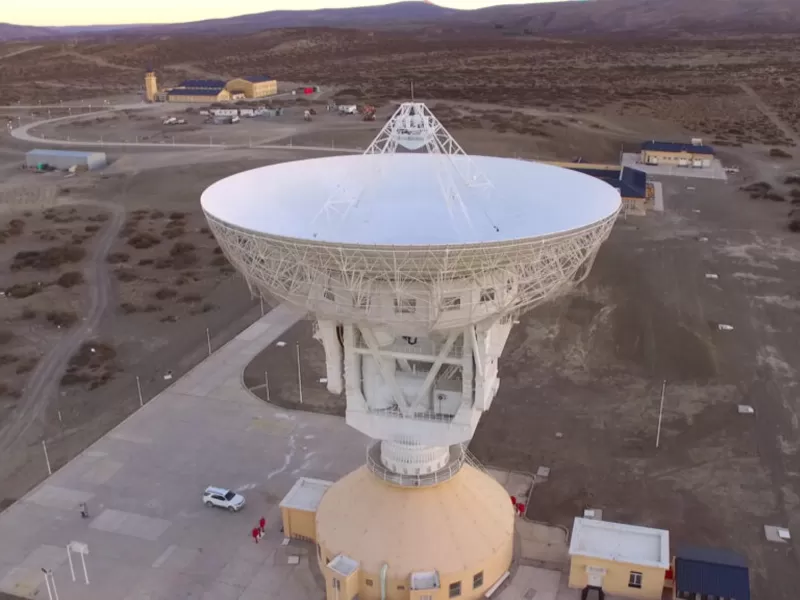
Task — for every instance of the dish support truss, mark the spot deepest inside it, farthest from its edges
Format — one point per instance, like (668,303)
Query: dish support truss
(413,335)
(413,126)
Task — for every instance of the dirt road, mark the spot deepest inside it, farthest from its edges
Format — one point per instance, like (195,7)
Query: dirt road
(42,386)
(771,114)
(18,52)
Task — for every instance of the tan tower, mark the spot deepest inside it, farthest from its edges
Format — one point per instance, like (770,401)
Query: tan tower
(150,85)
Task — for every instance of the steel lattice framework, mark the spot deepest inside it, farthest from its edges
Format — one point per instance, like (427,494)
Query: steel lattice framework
(350,283)
(413,126)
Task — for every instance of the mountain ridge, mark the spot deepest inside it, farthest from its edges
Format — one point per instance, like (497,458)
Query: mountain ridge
(593,17)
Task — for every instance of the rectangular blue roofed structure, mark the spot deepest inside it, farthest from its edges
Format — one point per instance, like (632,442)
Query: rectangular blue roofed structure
(258,78)
(194,92)
(710,572)
(654,146)
(213,84)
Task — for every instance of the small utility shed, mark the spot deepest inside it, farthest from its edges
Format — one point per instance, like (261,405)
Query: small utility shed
(299,508)
(711,573)
(624,560)
(65,159)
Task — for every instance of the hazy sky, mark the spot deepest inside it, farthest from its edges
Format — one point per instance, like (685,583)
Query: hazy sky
(90,12)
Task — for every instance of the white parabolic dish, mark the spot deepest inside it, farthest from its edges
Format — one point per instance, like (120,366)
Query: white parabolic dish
(400,201)
(397,250)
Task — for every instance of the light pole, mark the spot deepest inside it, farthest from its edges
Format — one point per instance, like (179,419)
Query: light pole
(50,582)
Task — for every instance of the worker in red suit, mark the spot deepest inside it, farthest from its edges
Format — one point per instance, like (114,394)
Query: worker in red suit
(256,533)
(262,523)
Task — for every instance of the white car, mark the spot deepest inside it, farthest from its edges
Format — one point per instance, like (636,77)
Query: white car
(223,498)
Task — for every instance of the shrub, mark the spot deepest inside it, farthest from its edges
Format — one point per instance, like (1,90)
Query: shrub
(70,279)
(23,290)
(179,248)
(61,318)
(174,216)
(778,153)
(91,228)
(128,308)
(27,314)
(118,257)
(165,293)
(125,275)
(163,262)
(191,298)
(7,359)
(156,214)
(219,261)
(174,232)
(169,319)
(143,240)
(47,259)
(792,180)
(26,366)
(146,261)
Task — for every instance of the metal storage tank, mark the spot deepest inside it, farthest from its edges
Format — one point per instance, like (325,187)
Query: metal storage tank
(64,159)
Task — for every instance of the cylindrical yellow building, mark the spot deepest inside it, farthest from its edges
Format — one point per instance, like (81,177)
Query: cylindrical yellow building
(380,540)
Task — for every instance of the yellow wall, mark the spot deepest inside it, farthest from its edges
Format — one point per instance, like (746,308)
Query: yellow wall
(671,158)
(617,577)
(223,96)
(348,586)
(253,90)
(299,524)
(398,584)
(150,87)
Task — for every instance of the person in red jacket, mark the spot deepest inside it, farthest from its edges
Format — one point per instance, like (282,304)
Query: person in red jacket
(256,533)
(262,523)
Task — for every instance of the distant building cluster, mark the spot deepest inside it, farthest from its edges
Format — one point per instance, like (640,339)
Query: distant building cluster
(198,91)
(695,154)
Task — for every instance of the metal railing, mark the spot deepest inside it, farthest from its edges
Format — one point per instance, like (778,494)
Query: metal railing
(422,480)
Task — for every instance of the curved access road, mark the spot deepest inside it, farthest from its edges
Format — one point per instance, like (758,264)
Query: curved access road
(23,134)
(43,383)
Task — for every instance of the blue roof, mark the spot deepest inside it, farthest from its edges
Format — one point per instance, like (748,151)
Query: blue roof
(67,153)
(713,572)
(631,183)
(203,83)
(635,180)
(677,147)
(258,78)
(194,92)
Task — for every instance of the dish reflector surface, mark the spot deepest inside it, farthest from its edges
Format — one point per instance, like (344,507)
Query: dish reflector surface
(399,200)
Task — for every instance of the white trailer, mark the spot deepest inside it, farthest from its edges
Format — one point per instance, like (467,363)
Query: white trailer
(348,109)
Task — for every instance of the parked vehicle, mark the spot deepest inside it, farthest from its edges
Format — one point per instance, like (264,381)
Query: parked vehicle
(223,498)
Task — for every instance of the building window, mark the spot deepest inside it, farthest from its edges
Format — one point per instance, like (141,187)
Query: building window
(452,303)
(487,295)
(405,305)
(329,296)
(635,580)
(369,582)
(477,580)
(455,589)
(335,584)
(401,587)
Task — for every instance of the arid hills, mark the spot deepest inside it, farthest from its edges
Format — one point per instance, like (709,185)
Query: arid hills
(591,17)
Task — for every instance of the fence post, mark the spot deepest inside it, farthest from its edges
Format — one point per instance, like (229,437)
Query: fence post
(46,458)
